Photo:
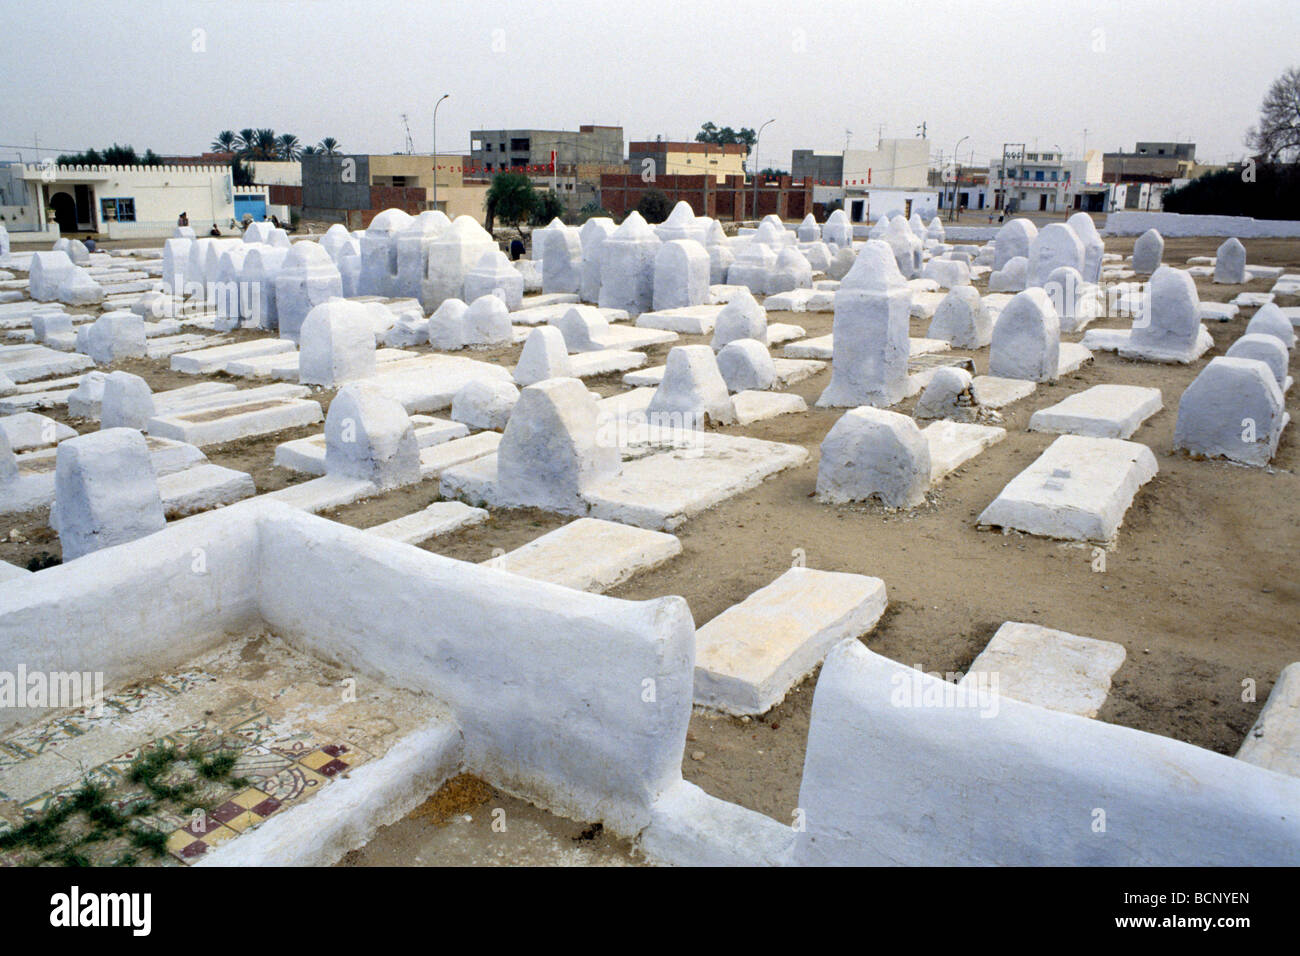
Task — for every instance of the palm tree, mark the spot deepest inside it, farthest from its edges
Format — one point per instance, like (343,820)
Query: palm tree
(225,142)
(244,141)
(289,146)
(329,146)
(265,144)
(307,151)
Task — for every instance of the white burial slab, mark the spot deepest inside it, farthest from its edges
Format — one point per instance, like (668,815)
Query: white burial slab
(801,300)
(781,332)
(1103,411)
(27,363)
(1047,668)
(689,320)
(1077,490)
(952,444)
(749,656)
(823,347)
(542,314)
(27,431)
(1070,357)
(323,493)
(428,383)
(307,455)
(1250,300)
(788,372)
(755,406)
(995,392)
(441,517)
(604,362)
(169,345)
(1274,740)
(1218,311)
(589,554)
(211,426)
(207,361)
(436,459)
(203,487)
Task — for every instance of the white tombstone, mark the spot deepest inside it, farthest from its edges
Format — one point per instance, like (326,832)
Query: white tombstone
(540,240)
(1148,251)
(484,404)
(874,453)
(841,262)
(1269,320)
(74,249)
(681,275)
(818,255)
(447,325)
(4,241)
(257,303)
(412,243)
(771,232)
(78,288)
(1171,329)
(369,437)
(486,323)
(741,318)
(335,238)
(175,263)
(258,232)
(583,327)
(746,364)
(680,224)
(627,269)
(906,246)
(551,452)
(1230,263)
(86,400)
(1012,277)
(544,356)
(593,234)
(1233,409)
(46,273)
(105,491)
(116,335)
(562,264)
(494,275)
(949,394)
(949,273)
(1013,241)
(1093,246)
(1055,245)
(184,232)
(45,324)
(692,388)
(1075,301)
(306,278)
(349,266)
(837,230)
(1266,349)
(721,256)
(226,294)
(753,267)
(411,328)
(379,253)
(962,319)
(870,332)
(1026,340)
(127,402)
(791,271)
(934,232)
(336,344)
(808,230)
(451,256)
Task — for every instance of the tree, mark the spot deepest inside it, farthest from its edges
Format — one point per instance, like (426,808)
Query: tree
(244,141)
(1259,190)
(240,174)
(774,172)
(654,206)
(114,155)
(225,142)
(511,198)
(594,210)
(1277,137)
(329,146)
(288,146)
(309,151)
(548,207)
(266,145)
(726,136)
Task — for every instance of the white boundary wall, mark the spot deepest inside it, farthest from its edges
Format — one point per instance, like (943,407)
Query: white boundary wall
(1175,224)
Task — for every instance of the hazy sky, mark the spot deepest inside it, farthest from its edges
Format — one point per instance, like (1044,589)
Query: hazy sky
(170,75)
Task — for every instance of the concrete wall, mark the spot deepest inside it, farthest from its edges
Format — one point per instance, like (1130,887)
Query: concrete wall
(1176,224)
(902,163)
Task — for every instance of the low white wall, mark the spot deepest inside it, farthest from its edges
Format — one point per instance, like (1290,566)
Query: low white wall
(948,786)
(575,701)
(133,610)
(1176,224)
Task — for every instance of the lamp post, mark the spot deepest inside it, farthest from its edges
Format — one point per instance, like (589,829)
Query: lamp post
(435,147)
(956,179)
(756,142)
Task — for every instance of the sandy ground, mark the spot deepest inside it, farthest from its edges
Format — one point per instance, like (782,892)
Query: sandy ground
(1199,590)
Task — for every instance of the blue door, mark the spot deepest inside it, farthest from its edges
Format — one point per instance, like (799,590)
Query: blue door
(253,204)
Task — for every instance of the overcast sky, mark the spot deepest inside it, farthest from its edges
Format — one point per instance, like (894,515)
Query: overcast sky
(170,75)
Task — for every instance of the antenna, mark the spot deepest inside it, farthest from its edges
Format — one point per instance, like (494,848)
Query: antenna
(848,135)
(410,144)
(921,128)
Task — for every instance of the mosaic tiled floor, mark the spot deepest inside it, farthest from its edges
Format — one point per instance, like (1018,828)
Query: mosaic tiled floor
(278,712)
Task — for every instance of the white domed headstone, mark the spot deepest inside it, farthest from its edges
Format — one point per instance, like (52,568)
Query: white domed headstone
(1233,409)
(962,320)
(1148,251)
(1230,263)
(1269,320)
(874,453)
(741,318)
(746,364)
(692,387)
(1027,339)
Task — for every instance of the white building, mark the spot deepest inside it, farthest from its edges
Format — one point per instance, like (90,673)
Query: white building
(890,179)
(115,202)
(1038,181)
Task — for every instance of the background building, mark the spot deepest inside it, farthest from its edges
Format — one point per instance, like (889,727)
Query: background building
(492,151)
(665,158)
(729,200)
(354,188)
(1045,181)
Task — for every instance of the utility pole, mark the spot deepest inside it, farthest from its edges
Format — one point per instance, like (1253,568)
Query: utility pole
(757,138)
(435,147)
(410,144)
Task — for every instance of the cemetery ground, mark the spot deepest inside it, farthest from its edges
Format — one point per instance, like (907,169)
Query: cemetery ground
(1200,588)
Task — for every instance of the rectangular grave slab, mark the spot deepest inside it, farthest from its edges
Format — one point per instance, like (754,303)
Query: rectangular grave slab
(1071,357)
(28,363)
(1077,490)
(753,406)
(952,444)
(437,458)
(307,455)
(211,426)
(1274,740)
(209,360)
(201,488)
(590,554)
(1218,311)
(323,493)
(801,300)
(441,517)
(27,431)
(749,656)
(1103,411)
(428,383)
(779,333)
(689,320)
(604,362)
(823,347)
(1047,668)
(169,345)
(529,316)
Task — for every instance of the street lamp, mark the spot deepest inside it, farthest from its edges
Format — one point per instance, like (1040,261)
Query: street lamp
(956,179)
(435,147)
(756,142)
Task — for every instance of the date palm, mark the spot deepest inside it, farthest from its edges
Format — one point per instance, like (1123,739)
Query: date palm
(329,146)
(289,147)
(225,142)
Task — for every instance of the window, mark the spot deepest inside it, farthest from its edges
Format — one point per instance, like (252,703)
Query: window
(1038,174)
(1054,174)
(117,210)
(521,145)
(487,147)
